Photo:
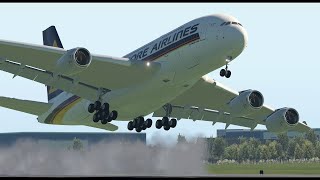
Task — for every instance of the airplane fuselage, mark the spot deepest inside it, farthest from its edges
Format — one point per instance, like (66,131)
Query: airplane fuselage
(184,55)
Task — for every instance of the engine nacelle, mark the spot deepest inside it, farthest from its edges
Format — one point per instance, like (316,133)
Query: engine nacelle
(247,102)
(282,119)
(73,61)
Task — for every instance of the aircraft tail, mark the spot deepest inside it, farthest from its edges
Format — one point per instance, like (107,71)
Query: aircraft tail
(51,38)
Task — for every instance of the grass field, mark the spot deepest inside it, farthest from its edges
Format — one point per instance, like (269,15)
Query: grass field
(275,168)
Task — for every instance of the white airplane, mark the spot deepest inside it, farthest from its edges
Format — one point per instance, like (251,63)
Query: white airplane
(166,77)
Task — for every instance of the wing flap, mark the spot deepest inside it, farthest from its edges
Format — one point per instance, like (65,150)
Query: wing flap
(31,107)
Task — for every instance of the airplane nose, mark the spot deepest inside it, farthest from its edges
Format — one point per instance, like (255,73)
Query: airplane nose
(237,39)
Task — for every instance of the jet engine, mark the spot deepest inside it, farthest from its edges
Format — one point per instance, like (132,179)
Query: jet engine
(73,61)
(247,102)
(282,119)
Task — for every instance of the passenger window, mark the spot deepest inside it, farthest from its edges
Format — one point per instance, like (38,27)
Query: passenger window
(228,23)
(222,24)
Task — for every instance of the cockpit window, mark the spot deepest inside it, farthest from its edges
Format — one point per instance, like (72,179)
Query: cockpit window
(227,23)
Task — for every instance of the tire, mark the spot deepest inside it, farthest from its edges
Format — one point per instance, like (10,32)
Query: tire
(113,115)
(91,108)
(144,127)
(95,118)
(130,126)
(105,106)
(109,119)
(98,115)
(165,121)
(140,120)
(97,105)
(158,124)
(104,115)
(104,121)
(166,128)
(138,129)
(135,122)
(222,72)
(228,74)
(149,123)
(173,123)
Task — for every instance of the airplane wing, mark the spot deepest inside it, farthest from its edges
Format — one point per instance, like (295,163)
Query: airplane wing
(38,62)
(31,107)
(208,100)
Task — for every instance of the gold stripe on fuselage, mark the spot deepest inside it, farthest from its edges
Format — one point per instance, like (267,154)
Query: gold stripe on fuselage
(57,119)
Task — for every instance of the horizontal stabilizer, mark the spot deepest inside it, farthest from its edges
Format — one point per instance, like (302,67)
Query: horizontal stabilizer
(31,107)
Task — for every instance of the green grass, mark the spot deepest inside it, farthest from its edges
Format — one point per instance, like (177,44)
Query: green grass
(274,168)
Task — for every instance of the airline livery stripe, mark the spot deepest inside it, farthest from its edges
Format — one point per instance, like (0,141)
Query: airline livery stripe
(54,94)
(50,118)
(172,47)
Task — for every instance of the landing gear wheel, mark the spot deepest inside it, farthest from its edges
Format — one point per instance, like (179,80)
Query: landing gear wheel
(104,121)
(105,107)
(165,121)
(222,72)
(95,118)
(166,128)
(91,108)
(144,127)
(138,129)
(130,126)
(173,123)
(113,115)
(158,124)
(97,105)
(149,123)
(228,74)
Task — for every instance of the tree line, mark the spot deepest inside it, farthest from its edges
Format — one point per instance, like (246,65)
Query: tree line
(250,149)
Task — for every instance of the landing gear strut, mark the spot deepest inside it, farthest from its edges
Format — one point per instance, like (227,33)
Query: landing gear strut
(225,72)
(139,124)
(102,112)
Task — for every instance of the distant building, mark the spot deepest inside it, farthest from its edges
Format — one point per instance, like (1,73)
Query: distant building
(263,135)
(64,139)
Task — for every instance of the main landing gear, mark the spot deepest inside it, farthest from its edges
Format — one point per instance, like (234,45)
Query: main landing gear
(139,124)
(166,123)
(102,112)
(225,72)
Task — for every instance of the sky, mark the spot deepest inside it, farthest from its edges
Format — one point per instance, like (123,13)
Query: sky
(281,60)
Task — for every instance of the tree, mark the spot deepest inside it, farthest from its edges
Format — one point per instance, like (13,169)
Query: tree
(77,144)
(312,137)
(219,145)
(317,150)
(272,148)
(181,139)
(298,152)
(308,149)
(244,151)
(232,152)
(253,149)
(264,152)
(283,139)
(291,148)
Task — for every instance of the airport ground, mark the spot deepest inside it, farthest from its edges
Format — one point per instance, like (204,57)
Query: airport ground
(306,168)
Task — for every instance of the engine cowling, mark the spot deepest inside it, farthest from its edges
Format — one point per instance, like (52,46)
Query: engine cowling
(282,119)
(74,61)
(247,102)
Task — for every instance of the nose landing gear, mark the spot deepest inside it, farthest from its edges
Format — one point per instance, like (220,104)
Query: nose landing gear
(225,72)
